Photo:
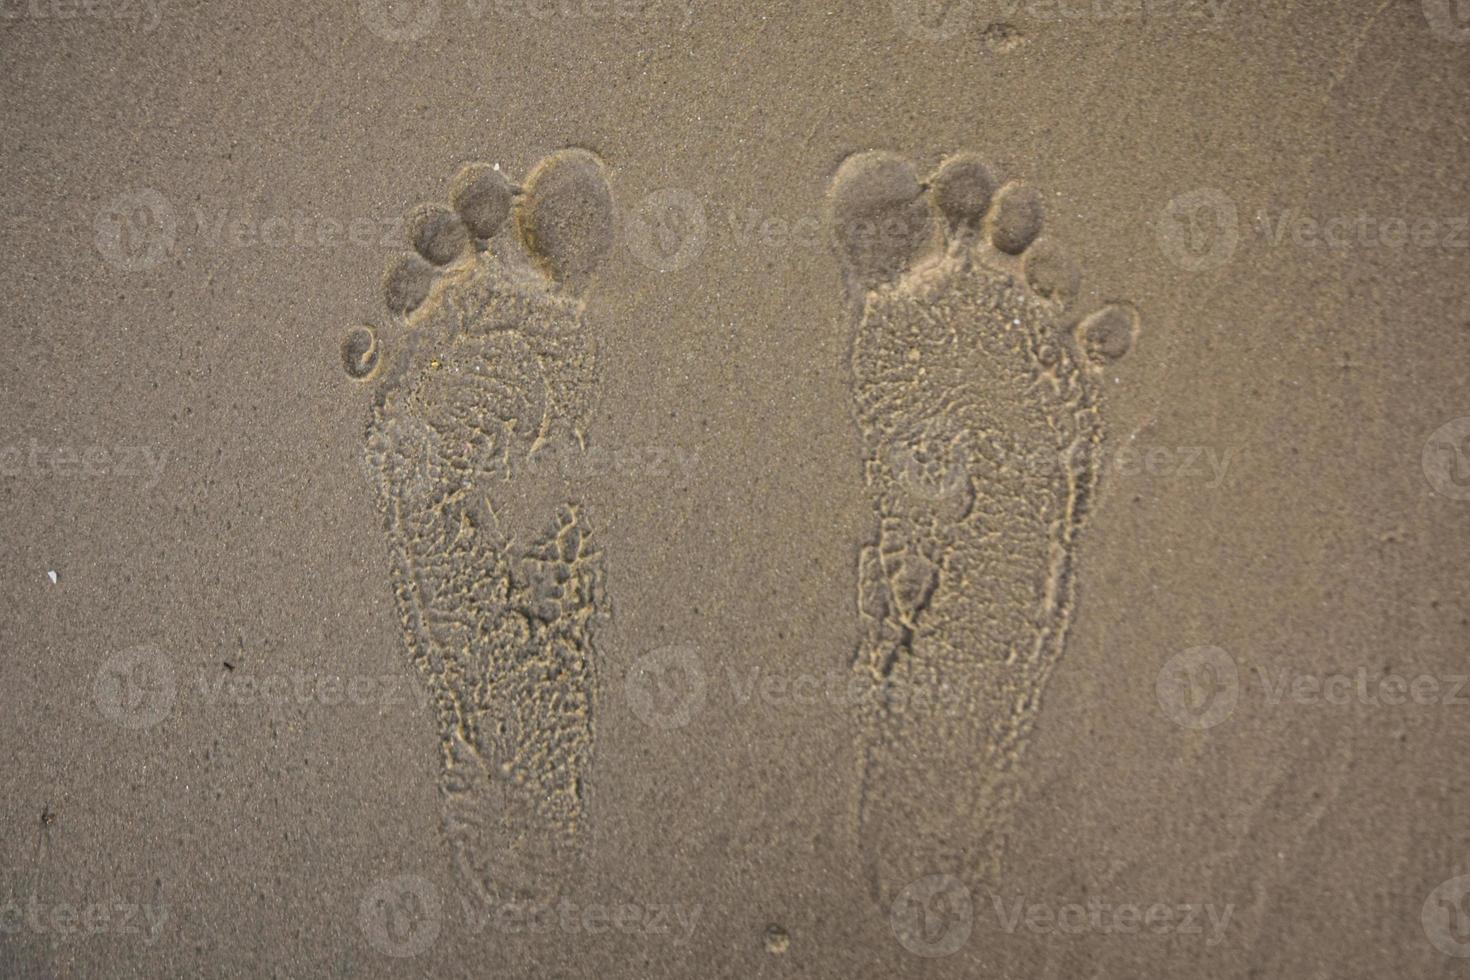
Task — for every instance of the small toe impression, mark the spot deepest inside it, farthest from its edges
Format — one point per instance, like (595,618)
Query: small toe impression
(406,283)
(361,355)
(565,216)
(437,234)
(1015,221)
(963,188)
(1051,273)
(1108,334)
(880,217)
(481,195)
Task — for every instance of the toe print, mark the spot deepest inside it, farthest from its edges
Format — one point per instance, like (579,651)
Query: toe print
(962,189)
(481,197)
(1015,220)
(882,221)
(566,216)
(437,234)
(406,284)
(361,355)
(979,408)
(499,608)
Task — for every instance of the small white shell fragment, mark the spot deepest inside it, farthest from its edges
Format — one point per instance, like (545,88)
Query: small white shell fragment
(52,577)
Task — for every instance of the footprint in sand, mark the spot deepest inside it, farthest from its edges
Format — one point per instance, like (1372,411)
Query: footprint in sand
(493,562)
(977,396)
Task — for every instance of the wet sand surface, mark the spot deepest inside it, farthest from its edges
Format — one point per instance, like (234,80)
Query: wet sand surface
(220,756)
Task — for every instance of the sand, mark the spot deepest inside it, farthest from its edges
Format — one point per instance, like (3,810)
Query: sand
(1187,705)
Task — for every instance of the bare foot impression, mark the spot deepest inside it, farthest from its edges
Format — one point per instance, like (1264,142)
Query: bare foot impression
(977,396)
(494,565)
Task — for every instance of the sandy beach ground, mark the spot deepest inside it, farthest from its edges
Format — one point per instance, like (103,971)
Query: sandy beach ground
(1239,753)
